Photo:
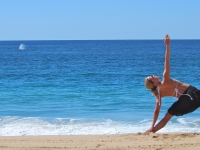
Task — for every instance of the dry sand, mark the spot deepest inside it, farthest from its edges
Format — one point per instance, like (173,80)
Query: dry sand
(139,141)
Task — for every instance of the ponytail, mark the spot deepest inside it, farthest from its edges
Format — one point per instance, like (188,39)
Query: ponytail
(154,91)
(151,87)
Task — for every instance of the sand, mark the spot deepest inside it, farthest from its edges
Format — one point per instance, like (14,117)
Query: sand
(139,141)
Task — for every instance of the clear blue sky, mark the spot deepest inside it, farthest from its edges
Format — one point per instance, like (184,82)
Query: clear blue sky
(99,19)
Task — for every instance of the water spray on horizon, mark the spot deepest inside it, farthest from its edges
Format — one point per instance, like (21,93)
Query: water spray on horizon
(22,47)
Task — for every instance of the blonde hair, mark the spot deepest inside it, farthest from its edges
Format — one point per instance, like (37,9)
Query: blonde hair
(149,85)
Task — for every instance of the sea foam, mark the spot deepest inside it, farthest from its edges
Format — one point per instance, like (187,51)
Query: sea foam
(17,126)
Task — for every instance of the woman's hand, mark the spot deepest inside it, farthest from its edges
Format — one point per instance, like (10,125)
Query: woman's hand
(167,39)
(150,130)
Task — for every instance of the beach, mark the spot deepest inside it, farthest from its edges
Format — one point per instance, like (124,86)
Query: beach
(90,95)
(137,141)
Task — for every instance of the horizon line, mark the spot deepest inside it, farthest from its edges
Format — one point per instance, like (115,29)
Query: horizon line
(95,40)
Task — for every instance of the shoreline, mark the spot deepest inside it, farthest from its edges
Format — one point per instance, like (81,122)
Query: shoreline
(136,141)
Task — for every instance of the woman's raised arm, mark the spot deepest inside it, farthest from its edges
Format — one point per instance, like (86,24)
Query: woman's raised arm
(166,73)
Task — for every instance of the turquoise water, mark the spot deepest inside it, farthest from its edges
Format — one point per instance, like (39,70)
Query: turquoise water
(90,87)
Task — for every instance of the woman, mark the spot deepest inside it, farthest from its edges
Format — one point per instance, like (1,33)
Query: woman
(188,96)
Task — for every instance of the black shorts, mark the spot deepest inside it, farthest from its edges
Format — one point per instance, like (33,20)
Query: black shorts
(185,104)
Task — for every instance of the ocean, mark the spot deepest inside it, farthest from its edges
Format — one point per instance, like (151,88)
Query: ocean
(90,86)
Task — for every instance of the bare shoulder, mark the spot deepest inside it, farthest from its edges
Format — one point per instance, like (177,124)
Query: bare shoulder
(168,81)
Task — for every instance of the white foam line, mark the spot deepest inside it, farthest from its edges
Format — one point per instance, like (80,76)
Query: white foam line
(17,126)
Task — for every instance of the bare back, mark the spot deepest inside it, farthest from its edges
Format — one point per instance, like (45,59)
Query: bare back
(167,88)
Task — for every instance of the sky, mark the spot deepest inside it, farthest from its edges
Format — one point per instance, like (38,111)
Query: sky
(99,19)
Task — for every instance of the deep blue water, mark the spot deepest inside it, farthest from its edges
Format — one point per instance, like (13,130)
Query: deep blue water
(90,87)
